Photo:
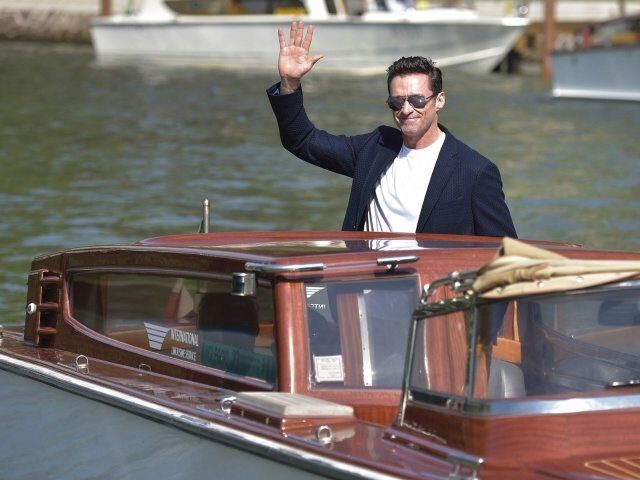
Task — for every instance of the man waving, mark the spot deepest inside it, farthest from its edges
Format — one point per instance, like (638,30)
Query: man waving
(414,178)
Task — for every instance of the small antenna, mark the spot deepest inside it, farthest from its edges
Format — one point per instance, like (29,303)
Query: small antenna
(205,216)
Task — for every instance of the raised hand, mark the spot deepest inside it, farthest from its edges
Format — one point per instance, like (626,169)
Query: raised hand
(294,61)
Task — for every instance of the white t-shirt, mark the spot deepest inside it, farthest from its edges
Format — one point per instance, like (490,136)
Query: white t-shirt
(399,195)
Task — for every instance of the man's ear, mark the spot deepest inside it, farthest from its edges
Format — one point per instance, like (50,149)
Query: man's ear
(440,101)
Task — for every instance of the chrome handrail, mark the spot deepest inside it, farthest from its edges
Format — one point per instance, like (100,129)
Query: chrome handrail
(273,268)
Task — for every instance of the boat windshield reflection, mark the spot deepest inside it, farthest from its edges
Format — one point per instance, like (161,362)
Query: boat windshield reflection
(192,319)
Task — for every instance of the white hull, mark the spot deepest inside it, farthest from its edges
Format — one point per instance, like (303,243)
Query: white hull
(349,43)
(608,73)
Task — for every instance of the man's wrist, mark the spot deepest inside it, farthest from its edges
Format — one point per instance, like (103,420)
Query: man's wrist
(288,86)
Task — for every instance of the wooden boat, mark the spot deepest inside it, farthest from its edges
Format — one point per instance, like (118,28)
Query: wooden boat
(285,354)
(611,48)
(353,42)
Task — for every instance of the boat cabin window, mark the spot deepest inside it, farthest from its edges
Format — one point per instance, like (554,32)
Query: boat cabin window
(194,320)
(358,331)
(566,343)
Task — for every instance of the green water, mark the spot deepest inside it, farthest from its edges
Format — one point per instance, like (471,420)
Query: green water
(93,154)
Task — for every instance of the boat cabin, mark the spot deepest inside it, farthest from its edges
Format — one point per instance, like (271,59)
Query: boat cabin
(325,315)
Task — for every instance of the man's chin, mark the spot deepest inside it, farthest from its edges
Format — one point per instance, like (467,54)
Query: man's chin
(408,131)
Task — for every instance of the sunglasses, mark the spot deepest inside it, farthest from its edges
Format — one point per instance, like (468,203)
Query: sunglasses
(416,101)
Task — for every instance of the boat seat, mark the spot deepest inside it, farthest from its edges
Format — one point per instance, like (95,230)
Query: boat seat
(619,312)
(234,319)
(324,337)
(505,380)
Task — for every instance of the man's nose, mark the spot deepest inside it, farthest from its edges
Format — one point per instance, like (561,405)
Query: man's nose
(406,107)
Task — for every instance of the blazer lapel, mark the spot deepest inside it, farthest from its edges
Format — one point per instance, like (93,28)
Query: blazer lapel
(446,163)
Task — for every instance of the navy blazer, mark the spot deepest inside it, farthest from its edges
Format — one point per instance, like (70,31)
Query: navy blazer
(464,195)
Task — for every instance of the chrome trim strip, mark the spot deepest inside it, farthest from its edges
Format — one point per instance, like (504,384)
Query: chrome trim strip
(367,369)
(570,405)
(523,406)
(273,268)
(246,441)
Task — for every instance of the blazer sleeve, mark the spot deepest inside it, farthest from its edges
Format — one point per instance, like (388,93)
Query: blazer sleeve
(490,212)
(337,153)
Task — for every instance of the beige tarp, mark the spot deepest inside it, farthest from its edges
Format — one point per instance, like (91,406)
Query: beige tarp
(521,269)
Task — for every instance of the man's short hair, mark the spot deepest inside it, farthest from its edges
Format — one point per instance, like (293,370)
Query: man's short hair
(409,65)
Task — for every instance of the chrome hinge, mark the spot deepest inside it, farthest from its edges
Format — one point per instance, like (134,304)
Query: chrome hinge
(392,262)
(465,467)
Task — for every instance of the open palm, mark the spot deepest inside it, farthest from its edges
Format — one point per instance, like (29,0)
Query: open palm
(294,60)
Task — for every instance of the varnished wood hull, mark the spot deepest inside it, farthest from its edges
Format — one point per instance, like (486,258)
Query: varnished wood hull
(87,393)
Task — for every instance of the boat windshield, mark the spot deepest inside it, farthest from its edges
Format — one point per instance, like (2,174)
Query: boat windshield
(561,343)
(358,331)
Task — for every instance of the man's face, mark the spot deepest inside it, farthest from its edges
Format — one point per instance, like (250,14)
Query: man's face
(419,126)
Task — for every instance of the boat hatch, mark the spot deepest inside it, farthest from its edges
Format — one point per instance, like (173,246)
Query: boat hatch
(293,404)
(293,413)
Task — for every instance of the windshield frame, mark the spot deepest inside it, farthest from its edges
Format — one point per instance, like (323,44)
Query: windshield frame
(612,397)
(360,359)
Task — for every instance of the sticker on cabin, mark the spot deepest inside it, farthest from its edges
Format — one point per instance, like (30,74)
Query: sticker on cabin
(156,335)
(310,291)
(184,336)
(328,368)
(184,353)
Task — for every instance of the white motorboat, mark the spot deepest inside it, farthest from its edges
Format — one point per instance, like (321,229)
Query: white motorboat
(604,63)
(360,43)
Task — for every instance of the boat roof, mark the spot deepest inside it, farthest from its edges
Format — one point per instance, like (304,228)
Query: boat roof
(296,244)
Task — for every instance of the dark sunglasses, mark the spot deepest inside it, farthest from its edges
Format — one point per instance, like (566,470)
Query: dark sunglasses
(416,101)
